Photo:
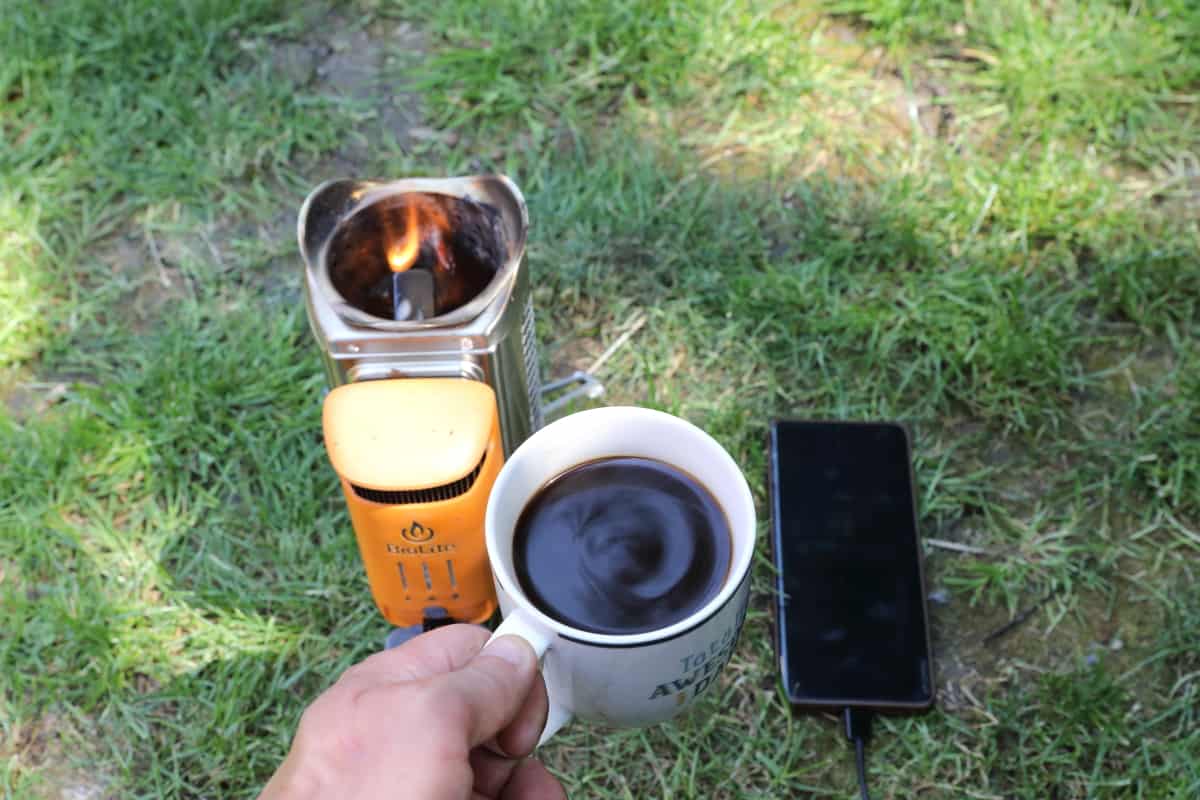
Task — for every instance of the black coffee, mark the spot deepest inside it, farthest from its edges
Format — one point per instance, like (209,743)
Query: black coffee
(621,545)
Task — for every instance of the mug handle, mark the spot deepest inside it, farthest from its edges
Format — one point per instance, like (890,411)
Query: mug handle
(519,623)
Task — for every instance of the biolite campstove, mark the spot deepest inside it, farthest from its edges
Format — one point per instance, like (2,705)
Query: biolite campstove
(417,295)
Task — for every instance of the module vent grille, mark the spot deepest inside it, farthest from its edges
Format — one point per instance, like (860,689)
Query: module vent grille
(434,494)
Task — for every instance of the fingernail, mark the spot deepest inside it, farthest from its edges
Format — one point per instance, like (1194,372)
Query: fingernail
(508,648)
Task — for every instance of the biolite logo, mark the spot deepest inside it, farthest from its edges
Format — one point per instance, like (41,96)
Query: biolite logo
(416,533)
(418,538)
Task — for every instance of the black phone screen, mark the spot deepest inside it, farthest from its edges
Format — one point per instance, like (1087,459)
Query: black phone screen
(851,601)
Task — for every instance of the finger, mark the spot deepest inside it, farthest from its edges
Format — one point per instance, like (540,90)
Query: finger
(530,780)
(434,653)
(491,689)
(521,735)
(492,771)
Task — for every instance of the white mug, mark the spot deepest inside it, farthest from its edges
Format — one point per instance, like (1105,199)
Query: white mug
(635,679)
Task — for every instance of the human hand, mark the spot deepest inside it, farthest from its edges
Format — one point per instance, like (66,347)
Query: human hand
(433,719)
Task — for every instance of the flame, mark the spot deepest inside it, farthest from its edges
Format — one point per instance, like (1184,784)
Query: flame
(403,254)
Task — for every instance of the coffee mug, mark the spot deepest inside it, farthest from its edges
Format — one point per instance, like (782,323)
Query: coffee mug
(625,680)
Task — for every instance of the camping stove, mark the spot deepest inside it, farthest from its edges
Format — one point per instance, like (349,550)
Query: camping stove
(417,295)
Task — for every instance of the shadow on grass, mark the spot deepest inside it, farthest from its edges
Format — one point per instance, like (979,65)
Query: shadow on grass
(221,730)
(176,515)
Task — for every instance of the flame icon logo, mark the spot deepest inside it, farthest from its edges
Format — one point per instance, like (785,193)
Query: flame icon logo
(417,533)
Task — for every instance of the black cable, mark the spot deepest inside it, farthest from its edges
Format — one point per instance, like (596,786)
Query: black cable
(860,756)
(858,730)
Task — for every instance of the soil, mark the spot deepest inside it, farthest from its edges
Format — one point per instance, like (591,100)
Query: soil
(335,57)
(52,745)
(155,258)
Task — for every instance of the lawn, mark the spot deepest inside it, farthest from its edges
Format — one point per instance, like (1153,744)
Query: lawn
(979,218)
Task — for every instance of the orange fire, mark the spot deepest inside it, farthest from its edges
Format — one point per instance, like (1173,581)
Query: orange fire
(403,254)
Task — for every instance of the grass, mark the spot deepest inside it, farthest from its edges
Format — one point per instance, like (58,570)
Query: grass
(978,218)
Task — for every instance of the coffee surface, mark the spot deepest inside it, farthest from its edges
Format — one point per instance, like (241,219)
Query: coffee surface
(621,545)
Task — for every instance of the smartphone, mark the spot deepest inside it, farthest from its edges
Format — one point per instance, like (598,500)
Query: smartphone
(851,626)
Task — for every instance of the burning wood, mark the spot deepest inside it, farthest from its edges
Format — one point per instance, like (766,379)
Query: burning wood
(403,254)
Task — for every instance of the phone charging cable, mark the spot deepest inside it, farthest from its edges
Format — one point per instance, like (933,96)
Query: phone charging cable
(858,730)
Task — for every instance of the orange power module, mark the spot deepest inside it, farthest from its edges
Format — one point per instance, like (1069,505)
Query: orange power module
(417,458)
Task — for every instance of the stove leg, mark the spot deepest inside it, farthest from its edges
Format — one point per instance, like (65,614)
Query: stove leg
(435,617)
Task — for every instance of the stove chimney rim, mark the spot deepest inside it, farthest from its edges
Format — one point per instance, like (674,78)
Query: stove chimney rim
(334,201)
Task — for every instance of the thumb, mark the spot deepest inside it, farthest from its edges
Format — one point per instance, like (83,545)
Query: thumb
(493,686)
